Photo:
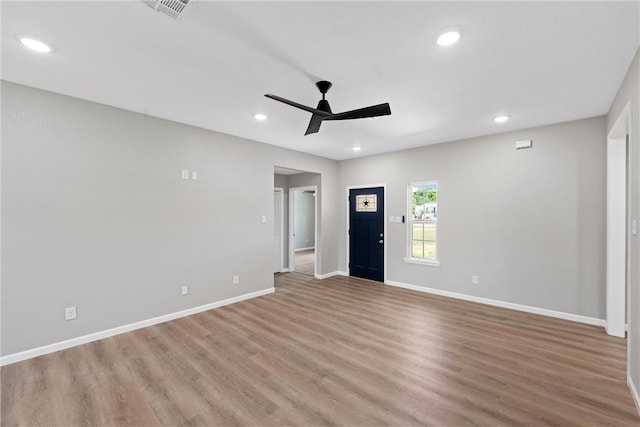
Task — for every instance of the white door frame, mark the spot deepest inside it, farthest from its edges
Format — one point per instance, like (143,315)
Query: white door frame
(281,191)
(292,213)
(618,171)
(384,219)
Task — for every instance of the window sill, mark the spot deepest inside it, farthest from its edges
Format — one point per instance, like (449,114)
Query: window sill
(422,262)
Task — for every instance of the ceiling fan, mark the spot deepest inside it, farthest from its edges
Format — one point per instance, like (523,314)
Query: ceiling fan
(323,111)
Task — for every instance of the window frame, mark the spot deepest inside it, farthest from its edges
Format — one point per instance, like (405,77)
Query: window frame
(410,222)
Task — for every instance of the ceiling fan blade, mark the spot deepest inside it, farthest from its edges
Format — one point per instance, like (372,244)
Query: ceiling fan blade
(314,124)
(300,106)
(361,113)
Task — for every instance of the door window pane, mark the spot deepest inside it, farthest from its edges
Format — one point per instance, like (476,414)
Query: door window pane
(366,203)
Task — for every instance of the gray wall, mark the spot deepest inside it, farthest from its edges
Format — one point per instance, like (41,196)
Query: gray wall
(530,223)
(629,91)
(280,181)
(305,219)
(94,214)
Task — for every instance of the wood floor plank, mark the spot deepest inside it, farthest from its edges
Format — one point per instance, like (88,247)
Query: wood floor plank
(341,351)
(304,262)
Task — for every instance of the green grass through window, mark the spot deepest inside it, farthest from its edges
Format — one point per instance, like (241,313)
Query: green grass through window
(424,241)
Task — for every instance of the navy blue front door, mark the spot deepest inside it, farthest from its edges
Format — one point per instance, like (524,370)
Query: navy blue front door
(366,233)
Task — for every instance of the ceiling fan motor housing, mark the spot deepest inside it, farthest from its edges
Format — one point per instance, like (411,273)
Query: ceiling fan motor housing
(323,105)
(323,86)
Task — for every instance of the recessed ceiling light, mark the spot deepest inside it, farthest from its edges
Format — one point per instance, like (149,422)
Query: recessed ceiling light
(448,36)
(356,148)
(501,119)
(35,44)
(260,116)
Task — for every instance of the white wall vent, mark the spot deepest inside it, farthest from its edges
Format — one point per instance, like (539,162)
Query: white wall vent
(173,8)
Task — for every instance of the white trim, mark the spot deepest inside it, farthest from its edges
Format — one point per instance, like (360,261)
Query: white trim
(422,261)
(304,249)
(285,270)
(634,393)
(50,348)
(333,273)
(622,128)
(503,304)
(384,221)
(616,234)
(620,145)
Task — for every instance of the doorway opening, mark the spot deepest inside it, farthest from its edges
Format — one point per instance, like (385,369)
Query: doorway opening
(301,200)
(302,220)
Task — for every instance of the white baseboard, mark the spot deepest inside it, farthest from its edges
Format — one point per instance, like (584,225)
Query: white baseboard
(634,393)
(304,249)
(503,304)
(284,270)
(333,273)
(50,348)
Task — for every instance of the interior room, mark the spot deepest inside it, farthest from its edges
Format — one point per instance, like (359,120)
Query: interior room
(320,213)
(297,225)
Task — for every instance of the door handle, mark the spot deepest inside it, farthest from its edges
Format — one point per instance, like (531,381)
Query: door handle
(380,241)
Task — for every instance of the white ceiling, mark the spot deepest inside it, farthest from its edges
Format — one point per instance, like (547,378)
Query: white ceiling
(538,62)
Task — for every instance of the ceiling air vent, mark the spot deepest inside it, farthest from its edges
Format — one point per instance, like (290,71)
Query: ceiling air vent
(173,8)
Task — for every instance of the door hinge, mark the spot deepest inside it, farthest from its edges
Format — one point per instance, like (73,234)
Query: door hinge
(349,232)
(349,265)
(349,198)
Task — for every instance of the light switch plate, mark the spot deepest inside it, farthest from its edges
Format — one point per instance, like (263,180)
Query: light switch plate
(185,174)
(634,227)
(194,175)
(263,219)
(185,290)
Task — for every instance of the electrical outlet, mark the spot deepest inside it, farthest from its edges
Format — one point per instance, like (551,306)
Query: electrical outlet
(185,290)
(70,313)
(236,280)
(475,280)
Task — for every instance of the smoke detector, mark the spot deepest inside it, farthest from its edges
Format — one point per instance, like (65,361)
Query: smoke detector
(173,8)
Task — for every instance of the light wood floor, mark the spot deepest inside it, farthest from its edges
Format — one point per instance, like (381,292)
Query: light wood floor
(341,351)
(305,262)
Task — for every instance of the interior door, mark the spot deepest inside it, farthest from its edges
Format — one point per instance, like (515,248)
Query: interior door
(366,233)
(277,229)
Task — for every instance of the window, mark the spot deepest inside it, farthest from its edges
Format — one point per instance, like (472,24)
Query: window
(423,221)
